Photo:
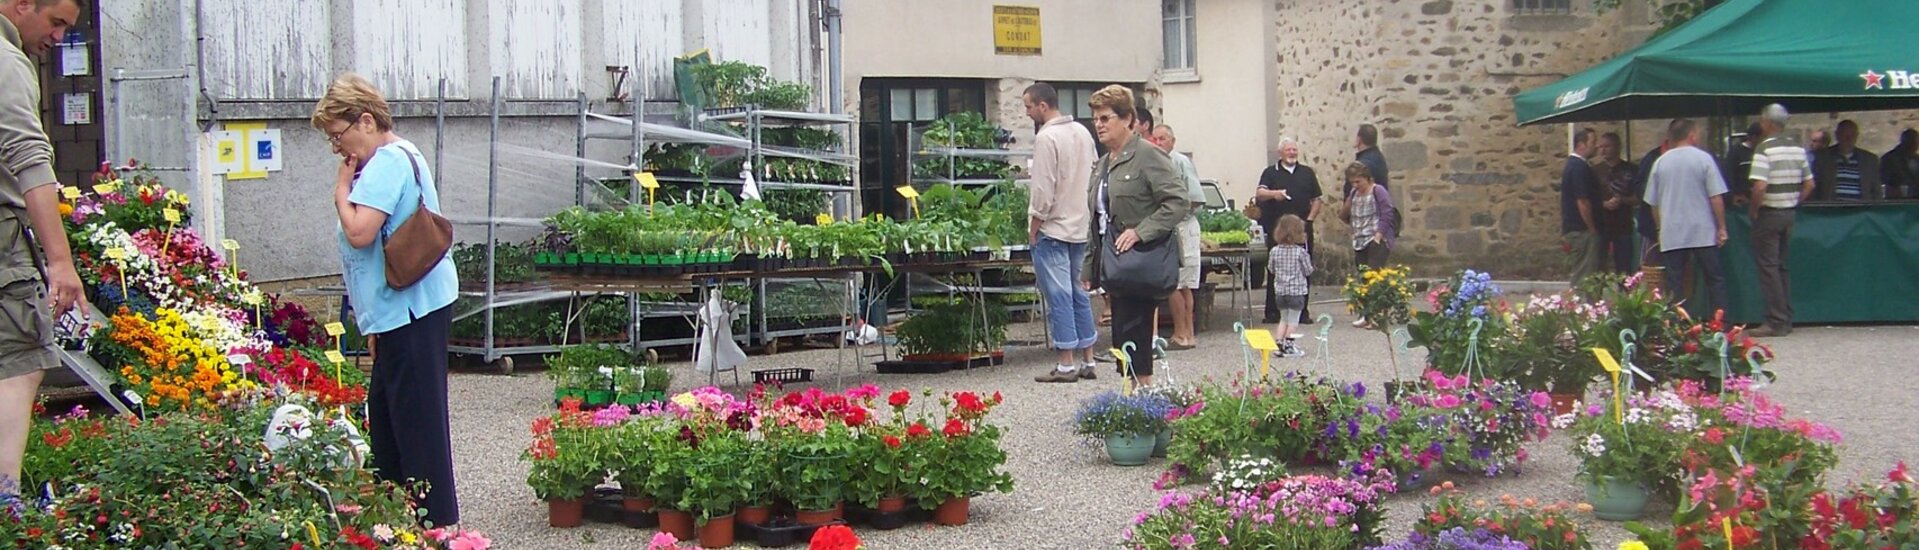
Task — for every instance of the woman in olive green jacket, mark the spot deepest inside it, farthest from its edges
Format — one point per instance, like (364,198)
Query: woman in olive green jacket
(1135,192)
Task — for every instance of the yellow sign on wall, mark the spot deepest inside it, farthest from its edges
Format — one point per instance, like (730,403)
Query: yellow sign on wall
(1015,30)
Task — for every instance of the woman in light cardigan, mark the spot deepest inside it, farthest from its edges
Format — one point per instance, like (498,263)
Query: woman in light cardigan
(1369,210)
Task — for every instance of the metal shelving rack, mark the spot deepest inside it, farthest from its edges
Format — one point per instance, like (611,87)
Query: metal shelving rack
(921,151)
(755,121)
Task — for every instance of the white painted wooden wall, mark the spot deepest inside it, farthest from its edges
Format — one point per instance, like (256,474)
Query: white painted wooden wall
(404,55)
(283,49)
(266,49)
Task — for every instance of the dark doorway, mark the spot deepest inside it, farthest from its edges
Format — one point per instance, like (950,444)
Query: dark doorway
(889,109)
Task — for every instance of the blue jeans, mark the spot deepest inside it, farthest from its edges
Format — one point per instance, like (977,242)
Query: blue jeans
(1069,309)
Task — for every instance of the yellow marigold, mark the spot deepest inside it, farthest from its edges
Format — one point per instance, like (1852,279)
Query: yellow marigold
(1632,545)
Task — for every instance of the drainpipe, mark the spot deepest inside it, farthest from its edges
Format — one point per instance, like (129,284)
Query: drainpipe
(833,56)
(200,63)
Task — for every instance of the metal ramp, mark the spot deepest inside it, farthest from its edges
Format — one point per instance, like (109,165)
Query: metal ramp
(96,377)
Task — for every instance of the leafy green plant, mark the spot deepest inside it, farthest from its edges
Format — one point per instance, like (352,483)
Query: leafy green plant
(814,469)
(953,328)
(964,130)
(714,484)
(1223,221)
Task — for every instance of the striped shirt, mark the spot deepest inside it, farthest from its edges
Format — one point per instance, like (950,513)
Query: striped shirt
(1290,264)
(1785,167)
(1846,177)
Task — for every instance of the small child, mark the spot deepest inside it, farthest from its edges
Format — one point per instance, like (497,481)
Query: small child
(1290,264)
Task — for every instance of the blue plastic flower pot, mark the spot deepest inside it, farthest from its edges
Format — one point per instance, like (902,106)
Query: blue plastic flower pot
(1159,443)
(1130,450)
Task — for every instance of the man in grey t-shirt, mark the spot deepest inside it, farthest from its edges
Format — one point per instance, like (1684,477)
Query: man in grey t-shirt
(1687,192)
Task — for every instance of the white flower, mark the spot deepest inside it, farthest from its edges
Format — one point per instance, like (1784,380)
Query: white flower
(1564,421)
(1595,445)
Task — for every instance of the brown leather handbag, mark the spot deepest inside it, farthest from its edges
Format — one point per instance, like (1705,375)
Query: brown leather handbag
(414,248)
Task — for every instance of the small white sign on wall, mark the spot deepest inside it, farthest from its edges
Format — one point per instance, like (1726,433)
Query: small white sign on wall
(76,108)
(226,157)
(263,150)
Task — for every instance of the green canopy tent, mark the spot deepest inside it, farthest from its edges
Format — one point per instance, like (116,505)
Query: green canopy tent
(1810,55)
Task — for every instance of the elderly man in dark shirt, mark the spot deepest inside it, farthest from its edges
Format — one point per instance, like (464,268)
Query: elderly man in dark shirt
(1287,187)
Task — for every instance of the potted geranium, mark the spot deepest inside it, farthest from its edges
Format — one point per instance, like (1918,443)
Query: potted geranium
(639,441)
(882,452)
(814,470)
(1547,347)
(1629,449)
(569,456)
(671,464)
(759,471)
(714,487)
(960,459)
(1128,424)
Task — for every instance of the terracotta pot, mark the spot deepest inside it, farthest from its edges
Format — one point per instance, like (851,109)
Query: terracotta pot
(752,515)
(953,511)
(677,522)
(814,517)
(1563,403)
(638,505)
(839,511)
(565,513)
(717,532)
(890,505)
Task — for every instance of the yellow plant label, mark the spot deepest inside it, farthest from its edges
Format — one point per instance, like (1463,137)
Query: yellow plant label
(171,215)
(335,329)
(909,192)
(1260,339)
(1606,360)
(117,253)
(823,219)
(335,356)
(103,189)
(70,192)
(647,180)
(230,244)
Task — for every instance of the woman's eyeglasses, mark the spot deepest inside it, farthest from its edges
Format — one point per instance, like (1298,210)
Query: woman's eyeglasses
(334,137)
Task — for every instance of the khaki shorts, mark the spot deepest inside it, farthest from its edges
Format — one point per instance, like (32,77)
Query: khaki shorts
(26,325)
(1189,261)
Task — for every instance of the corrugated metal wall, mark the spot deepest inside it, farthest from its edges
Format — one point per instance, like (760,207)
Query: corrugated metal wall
(383,27)
(266,50)
(283,50)
(656,29)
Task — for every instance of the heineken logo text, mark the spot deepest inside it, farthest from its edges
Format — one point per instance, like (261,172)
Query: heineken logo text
(1890,80)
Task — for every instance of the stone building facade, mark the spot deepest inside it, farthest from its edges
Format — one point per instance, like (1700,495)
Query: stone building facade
(1437,77)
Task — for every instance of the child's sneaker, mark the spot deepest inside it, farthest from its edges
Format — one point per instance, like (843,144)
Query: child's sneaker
(1291,349)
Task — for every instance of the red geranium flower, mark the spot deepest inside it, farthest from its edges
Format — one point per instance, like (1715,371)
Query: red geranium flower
(855,417)
(893,442)
(954,428)
(834,537)
(969,402)
(918,429)
(899,398)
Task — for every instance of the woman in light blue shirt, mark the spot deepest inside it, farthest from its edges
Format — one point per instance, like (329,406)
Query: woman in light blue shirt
(382,181)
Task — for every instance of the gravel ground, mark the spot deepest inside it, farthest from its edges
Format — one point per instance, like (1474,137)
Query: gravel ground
(1857,379)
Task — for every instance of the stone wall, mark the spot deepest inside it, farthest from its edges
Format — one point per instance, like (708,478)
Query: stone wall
(1437,77)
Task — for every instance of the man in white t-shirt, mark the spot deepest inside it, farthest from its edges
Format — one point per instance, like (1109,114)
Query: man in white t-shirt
(1686,192)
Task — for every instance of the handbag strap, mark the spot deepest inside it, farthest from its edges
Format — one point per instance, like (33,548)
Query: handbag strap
(417,180)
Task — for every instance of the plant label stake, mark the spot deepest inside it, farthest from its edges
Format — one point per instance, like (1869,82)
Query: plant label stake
(1258,341)
(912,198)
(650,183)
(173,218)
(71,193)
(1753,357)
(1718,342)
(233,255)
(1611,367)
(240,361)
(103,189)
(119,255)
(338,359)
(1163,369)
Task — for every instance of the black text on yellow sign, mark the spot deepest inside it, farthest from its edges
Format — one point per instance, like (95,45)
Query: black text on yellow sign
(1016,30)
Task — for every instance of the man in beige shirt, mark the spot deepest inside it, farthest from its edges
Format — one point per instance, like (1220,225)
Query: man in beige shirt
(1061,172)
(28,203)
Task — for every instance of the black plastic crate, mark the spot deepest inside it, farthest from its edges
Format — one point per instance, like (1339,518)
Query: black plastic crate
(781,532)
(782,376)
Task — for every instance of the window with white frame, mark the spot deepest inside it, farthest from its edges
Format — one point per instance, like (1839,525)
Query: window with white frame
(1176,35)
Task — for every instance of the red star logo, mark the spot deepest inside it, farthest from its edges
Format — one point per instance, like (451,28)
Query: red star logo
(1873,80)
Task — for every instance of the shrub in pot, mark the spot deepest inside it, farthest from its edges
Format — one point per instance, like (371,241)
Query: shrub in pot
(815,466)
(1630,451)
(1128,424)
(714,487)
